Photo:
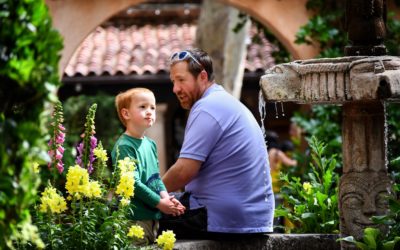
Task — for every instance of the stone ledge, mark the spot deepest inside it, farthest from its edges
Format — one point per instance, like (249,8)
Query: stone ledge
(269,242)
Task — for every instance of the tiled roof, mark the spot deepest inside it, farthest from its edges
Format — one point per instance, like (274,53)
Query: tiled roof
(146,50)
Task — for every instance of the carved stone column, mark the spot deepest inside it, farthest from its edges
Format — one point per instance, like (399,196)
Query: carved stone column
(361,84)
(364,183)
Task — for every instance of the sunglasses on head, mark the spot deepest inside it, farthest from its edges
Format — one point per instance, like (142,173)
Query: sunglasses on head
(182,55)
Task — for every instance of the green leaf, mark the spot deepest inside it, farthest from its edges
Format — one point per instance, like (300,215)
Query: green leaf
(281,212)
(394,205)
(363,246)
(308,216)
(23,69)
(348,239)
(370,237)
(393,244)
(321,199)
(359,244)
(300,209)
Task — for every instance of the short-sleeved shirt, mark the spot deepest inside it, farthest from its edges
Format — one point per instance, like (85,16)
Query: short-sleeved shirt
(234,180)
(148,183)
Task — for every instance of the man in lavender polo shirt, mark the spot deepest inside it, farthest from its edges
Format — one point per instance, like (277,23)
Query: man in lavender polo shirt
(223,162)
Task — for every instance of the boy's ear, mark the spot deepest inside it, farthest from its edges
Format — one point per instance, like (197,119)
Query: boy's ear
(125,113)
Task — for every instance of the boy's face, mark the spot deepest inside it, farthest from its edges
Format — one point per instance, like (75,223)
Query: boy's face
(142,111)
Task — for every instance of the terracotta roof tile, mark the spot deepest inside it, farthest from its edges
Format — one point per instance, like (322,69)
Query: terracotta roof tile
(146,50)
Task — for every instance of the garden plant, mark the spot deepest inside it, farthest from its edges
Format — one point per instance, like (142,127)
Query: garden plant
(29,55)
(92,211)
(310,202)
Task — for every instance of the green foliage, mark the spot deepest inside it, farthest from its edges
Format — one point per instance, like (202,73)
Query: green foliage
(324,121)
(311,204)
(29,46)
(393,126)
(324,28)
(393,28)
(29,55)
(374,240)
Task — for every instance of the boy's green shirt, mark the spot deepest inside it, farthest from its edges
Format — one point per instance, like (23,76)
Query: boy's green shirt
(148,183)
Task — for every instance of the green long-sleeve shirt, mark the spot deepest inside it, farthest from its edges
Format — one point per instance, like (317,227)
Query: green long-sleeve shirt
(148,183)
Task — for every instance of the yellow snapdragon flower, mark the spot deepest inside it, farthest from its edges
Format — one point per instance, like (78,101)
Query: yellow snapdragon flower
(125,202)
(52,201)
(126,165)
(125,187)
(79,185)
(77,181)
(136,231)
(166,240)
(35,167)
(307,187)
(94,190)
(101,154)
(30,232)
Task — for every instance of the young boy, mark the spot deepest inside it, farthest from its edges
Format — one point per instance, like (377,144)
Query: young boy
(137,111)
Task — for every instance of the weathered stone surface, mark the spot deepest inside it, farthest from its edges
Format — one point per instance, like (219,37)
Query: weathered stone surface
(365,183)
(333,80)
(361,196)
(360,84)
(269,242)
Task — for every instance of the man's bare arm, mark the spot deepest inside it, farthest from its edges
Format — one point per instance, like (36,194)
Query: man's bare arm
(181,173)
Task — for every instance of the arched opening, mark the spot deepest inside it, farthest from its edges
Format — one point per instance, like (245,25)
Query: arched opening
(84,79)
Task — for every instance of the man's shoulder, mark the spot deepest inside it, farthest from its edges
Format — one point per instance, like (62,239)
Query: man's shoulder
(218,98)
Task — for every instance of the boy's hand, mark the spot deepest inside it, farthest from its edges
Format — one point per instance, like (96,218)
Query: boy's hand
(168,207)
(178,204)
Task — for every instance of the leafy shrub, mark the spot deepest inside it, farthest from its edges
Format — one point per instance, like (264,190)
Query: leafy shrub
(29,55)
(311,204)
(373,240)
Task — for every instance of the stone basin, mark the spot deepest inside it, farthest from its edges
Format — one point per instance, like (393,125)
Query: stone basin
(333,80)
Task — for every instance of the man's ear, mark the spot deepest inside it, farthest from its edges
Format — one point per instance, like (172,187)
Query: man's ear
(204,75)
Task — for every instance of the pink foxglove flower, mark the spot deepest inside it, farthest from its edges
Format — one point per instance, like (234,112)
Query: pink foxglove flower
(85,149)
(56,149)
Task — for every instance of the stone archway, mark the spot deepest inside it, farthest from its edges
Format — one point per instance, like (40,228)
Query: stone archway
(75,19)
